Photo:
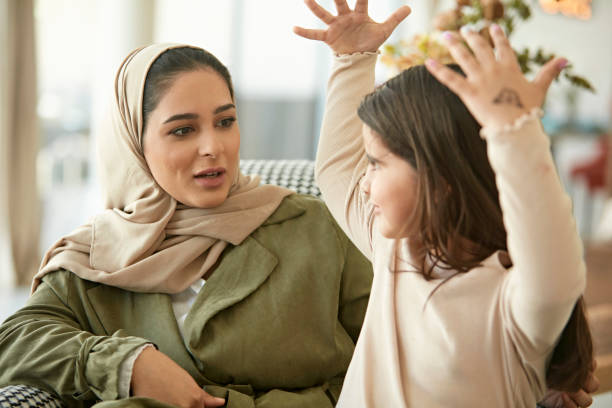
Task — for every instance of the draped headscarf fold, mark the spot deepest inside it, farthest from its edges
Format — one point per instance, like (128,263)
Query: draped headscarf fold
(144,240)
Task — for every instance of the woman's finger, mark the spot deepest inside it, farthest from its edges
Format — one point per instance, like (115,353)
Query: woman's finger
(453,80)
(361,6)
(461,55)
(567,401)
(394,19)
(581,399)
(323,15)
(481,48)
(310,33)
(342,7)
(210,401)
(549,72)
(592,383)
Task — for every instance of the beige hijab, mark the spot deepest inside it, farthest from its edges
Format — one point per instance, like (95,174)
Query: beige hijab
(145,241)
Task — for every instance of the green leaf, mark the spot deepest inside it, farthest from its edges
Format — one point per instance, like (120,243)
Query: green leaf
(579,81)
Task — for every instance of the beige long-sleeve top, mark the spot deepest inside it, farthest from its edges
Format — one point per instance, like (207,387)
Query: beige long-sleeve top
(485,337)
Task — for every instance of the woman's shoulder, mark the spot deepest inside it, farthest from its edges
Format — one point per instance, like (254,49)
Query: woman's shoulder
(63,278)
(296,206)
(309,214)
(65,284)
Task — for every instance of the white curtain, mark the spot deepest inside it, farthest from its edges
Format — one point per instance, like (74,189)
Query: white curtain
(19,142)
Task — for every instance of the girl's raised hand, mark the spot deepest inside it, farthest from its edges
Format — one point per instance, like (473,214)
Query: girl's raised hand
(351,30)
(494,89)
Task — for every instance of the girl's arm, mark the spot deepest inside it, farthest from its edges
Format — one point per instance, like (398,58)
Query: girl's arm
(355,38)
(341,161)
(548,274)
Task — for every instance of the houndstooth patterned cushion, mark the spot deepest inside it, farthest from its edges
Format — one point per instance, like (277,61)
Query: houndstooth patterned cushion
(26,397)
(297,175)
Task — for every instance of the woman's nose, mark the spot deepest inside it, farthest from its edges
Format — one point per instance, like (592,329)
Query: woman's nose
(209,144)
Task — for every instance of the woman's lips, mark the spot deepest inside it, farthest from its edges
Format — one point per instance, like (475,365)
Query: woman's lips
(210,178)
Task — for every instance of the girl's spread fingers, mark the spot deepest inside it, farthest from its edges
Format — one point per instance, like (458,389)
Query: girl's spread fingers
(320,12)
(503,48)
(397,17)
(549,72)
(453,80)
(342,7)
(311,34)
(461,54)
(361,6)
(480,47)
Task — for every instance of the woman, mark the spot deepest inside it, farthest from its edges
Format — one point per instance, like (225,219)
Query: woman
(461,314)
(195,275)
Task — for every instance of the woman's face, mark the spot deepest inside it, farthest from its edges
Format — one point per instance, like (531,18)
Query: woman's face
(192,139)
(391,183)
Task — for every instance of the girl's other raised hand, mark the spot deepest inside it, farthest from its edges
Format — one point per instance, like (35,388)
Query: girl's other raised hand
(494,89)
(351,30)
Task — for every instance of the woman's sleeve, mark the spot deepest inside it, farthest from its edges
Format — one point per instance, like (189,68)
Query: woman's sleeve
(49,344)
(548,273)
(323,396)
(341,161)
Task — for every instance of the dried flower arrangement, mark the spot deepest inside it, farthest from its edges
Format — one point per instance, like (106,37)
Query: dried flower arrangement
(477,14)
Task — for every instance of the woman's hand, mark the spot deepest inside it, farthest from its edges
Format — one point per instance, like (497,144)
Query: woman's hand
(579,399)
(351,30)
(157,376)
(494,90)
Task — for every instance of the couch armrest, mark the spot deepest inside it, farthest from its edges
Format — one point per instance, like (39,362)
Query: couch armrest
(24,396)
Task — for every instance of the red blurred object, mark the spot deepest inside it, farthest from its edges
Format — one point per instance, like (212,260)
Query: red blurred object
(594,170)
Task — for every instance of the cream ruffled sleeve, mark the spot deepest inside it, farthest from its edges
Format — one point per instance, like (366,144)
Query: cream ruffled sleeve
(548,273)
(341,160)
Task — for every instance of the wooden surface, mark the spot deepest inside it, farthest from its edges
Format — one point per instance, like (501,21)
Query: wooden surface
(598,298)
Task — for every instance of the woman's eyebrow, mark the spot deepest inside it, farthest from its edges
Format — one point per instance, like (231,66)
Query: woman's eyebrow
(224,108)
(181,116)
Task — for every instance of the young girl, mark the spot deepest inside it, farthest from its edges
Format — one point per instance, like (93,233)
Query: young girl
(477,262)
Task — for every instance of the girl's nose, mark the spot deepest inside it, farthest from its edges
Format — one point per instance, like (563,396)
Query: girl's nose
(365,183)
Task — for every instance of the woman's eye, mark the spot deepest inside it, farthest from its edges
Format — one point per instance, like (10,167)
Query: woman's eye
(226,122)
(182,131)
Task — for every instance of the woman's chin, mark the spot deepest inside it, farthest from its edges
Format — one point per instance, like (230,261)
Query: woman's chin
(208,200)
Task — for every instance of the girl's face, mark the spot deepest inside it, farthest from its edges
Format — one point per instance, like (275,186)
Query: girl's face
(391,184)
(192,139)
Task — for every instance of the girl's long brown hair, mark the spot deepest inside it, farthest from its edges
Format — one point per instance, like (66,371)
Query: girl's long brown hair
(457,214)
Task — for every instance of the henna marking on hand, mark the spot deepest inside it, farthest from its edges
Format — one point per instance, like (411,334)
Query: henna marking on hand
(508,96)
